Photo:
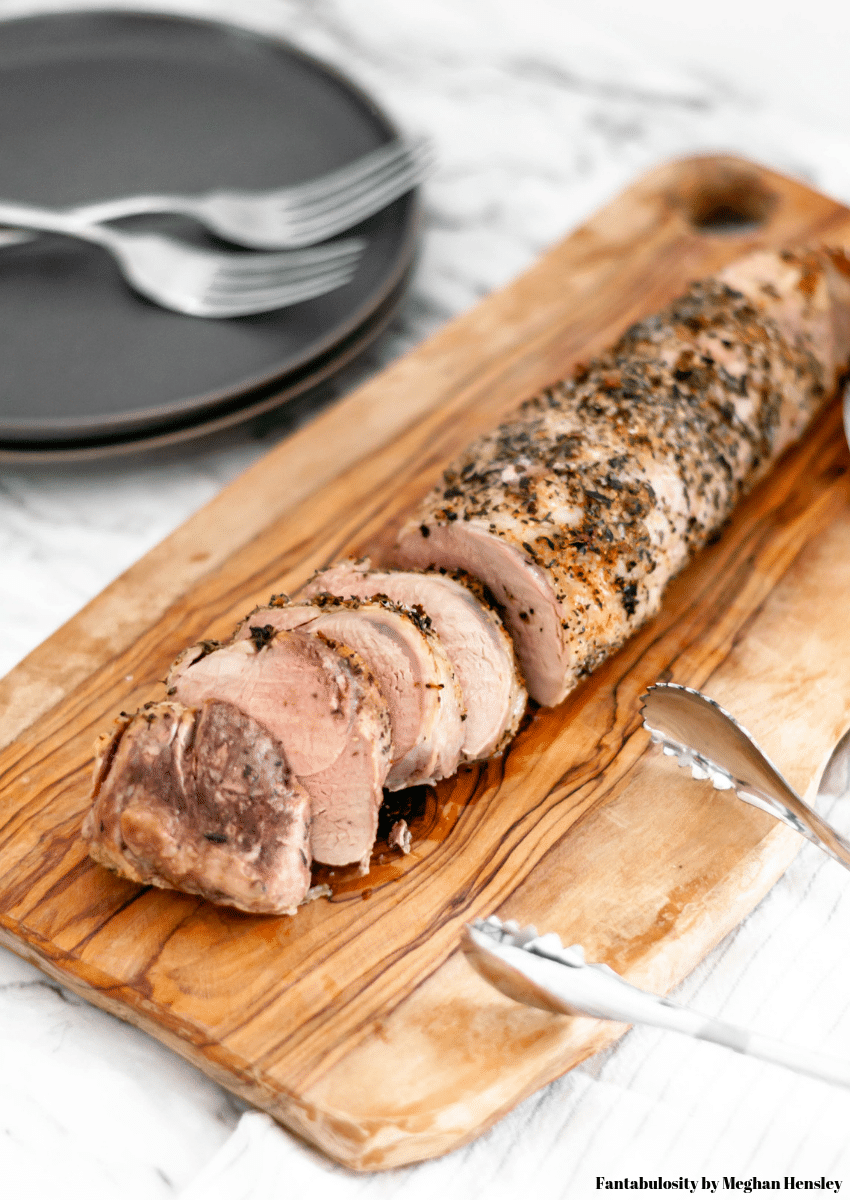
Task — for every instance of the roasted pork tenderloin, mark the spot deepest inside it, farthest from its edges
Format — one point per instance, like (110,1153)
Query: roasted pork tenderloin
(320,702)
(470,631)
(204,800)
(409,664)
(571,517)
(577,511)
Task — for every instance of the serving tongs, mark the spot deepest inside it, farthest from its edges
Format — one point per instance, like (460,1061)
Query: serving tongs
(706,739)
(538,971)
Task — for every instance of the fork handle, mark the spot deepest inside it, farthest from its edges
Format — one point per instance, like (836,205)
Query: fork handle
(84,215)
(48,220)
(128,206)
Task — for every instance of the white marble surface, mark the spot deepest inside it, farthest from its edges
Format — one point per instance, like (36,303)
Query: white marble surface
(539,117)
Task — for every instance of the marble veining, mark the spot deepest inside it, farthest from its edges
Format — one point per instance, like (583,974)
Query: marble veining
(538,118)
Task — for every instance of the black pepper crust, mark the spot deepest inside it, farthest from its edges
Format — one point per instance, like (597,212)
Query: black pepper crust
(327,600)
(611,480)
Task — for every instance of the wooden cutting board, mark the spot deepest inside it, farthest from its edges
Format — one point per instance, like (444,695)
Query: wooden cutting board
(357,1023)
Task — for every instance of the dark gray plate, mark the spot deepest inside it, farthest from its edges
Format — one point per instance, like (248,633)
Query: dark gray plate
(301,392)
(98,104)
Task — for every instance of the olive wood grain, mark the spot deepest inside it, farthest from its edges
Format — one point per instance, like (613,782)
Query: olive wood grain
(357,1023)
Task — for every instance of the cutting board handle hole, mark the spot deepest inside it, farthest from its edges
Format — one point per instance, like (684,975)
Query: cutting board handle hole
(734,205)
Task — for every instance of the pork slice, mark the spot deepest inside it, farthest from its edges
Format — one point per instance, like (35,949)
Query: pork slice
(321,703)
(530,606)
(202,800)
(579,509)
(470,631)
(410,665)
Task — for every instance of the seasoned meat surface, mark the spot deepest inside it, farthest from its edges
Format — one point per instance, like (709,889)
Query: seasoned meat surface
(577,512)
(201,799)
(320,702)
(412,670)
(571,517)
(470,631)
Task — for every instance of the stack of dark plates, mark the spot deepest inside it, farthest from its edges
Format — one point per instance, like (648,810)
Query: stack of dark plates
(96,104)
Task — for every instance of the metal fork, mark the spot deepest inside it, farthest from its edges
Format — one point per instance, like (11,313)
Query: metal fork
(205,283)
(287,218)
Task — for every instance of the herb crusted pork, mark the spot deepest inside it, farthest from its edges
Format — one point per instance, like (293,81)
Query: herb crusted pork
(471,632)
(320,702)
(410,666)
(573,515)
(577,511)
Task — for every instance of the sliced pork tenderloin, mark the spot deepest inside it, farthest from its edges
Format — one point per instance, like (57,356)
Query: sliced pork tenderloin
(470,631)
(410,665)
(201,799)
(320,701)
(577,511)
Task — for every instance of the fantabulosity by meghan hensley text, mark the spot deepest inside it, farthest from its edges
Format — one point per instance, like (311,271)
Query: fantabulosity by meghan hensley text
(729,1183)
